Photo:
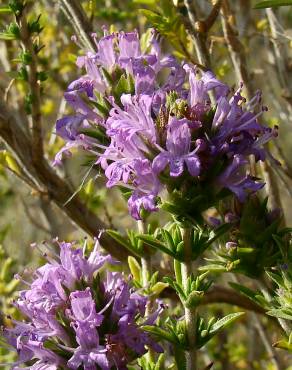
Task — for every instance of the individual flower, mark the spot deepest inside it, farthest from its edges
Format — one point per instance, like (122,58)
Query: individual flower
(178,153)
(235,179)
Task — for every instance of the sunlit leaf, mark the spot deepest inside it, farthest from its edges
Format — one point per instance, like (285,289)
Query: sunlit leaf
(272,3)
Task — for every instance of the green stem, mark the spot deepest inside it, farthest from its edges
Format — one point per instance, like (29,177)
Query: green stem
(146,274)
(190,314)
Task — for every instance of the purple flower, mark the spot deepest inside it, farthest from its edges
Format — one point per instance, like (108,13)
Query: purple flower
(235,179)
(129,45)
(178,144)
(106,55)
(89,61)
(89,351)
(83,307)
(138,201)
(134,118)
(74,318)
(168,127)
(198,95)
(81,106)
(68,127)
(147,188)
(72,260)
(79,141)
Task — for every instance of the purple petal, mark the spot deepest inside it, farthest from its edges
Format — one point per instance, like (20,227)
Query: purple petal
(194,165)
(160,162)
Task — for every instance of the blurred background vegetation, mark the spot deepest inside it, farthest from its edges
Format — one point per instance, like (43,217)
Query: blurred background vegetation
(242,43)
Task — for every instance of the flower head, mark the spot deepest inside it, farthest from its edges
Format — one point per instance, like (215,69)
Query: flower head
(162,133)
(76,320)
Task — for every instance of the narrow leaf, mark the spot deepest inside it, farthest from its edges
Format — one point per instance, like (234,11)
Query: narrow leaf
(227,320)
(272,3)
(124,242)
(245,291)
(149,240)
(283,345)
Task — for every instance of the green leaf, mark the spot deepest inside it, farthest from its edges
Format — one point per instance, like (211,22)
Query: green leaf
(168,239)
(245,291)
(152,242)
(5,9)
(221,230)
(145,2)
(104,111)
(124,86)
(276,278)
(7,36)
(160,362)
(177,271)
(272,3)
(213,268)
(281,314)
(135,268)
(124,242)
(160,333)
(180,358)
(227,320)
(193,299)
(283,345)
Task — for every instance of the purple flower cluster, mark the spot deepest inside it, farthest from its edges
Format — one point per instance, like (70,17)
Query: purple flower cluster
(160,121)
(75,320)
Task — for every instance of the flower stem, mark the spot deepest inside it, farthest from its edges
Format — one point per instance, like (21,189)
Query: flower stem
(146,273)
(190,313)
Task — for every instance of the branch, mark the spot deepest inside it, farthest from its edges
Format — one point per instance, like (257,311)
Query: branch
(266,342)
(49,183)
(235,47)
(196,29)
(35,90)
(210,20)
(281,57)
(32,219)
(219,294)
(286,167)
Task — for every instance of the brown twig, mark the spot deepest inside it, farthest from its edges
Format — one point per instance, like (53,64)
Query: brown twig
(281,57)
(49,183)
(220,294)
(195,28)
(235,47)
(286,167)
(266,342)
(32,219)
(211,19)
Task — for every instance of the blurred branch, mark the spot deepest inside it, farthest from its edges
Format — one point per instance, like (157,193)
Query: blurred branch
(220,294)
(51,185)
(54,226)
(286,167)
(235,47)
(271,185)
(266,342)
(79,21)
(32,219)
(281,57)
(35,90)
(211,19)
(196,29)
